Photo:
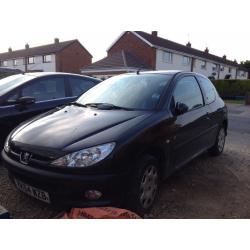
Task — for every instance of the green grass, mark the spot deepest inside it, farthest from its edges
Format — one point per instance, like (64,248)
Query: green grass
(235,101)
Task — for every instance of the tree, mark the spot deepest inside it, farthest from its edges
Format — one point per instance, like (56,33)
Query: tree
(246,64)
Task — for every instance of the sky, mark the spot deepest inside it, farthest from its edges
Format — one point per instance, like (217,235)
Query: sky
(220,25)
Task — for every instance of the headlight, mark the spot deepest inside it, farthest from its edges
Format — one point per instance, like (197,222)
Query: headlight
(7,145)
(85,157)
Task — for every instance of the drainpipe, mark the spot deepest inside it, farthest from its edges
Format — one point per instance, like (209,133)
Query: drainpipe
(192,64)
(25,64)
(218,71)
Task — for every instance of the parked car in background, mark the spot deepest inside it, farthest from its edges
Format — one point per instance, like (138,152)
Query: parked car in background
(118,140)
(23,96)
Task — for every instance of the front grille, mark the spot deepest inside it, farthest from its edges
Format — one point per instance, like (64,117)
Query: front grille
(15,153)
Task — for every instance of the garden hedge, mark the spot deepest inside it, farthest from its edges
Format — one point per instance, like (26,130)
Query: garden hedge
(232,88)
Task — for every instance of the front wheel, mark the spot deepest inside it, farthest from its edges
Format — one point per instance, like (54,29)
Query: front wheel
(218,147)
(144,186)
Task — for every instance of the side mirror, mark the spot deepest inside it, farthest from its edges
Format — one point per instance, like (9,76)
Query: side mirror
(180,108)
(25,100)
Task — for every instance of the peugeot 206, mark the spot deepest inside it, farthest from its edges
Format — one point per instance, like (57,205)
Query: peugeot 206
(117,141)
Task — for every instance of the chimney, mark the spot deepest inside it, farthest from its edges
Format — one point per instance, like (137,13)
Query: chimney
(189,45)
(10,49)
(27,46)
(154,33)
(206,50)
(56,40)
(224,57)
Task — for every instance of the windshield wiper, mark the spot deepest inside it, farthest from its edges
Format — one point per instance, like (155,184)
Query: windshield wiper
(77,104)
(106,106)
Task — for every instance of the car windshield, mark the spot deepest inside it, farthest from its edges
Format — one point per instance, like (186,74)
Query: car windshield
(11,82)
(142,91)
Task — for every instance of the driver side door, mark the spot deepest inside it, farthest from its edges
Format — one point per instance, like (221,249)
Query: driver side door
(191,124)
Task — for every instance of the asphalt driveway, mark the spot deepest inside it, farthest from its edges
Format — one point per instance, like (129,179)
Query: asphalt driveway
(208,187)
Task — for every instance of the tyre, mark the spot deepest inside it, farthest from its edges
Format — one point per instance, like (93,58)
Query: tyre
(144,185)
(218,147)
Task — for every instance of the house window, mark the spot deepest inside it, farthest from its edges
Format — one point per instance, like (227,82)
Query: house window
(5,63)
(185,60)
(47,58)
(215,67)
(31,60)
(229,70)
(167,57)
(15,62)
(222,68)
(203,64)
(243,74)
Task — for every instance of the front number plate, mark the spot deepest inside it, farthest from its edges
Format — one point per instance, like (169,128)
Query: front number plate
(34,192)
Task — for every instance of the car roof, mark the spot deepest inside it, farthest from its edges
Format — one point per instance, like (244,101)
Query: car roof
(167,72)
(40,74)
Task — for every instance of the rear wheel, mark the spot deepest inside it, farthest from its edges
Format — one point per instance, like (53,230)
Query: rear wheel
(218,147)
(144,185)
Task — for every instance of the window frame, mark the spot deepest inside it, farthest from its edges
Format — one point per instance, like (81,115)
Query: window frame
(203,90)
(44,58)
(14,62)
(28,61)
(205,64)
(188,61)
(174,87)
(5,63)
(170,56)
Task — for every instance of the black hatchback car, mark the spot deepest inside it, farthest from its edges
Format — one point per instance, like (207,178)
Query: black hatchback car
(118,140)
(23,96)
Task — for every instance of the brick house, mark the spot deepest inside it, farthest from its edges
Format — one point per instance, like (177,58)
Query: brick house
(152,52)
(67,56)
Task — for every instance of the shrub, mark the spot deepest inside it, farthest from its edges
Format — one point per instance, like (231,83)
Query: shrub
(232,88)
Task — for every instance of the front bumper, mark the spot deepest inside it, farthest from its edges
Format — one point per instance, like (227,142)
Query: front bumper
(68,190)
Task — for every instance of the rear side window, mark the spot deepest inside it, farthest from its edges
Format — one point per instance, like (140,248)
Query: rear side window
(45,89)
(187,91)
(79,85)
(209,89)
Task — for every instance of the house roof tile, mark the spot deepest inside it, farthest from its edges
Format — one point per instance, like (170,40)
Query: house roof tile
(35,51)
(157,41)
(119,60)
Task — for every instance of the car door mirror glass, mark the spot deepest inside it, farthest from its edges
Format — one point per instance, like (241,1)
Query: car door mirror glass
(180,108)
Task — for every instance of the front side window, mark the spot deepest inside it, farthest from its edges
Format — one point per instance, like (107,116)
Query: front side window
(47,58)
(31,60)
(45,89)
(186,60)
(209,89)
(141,91)
(187,91)
(79,85)
(167,57)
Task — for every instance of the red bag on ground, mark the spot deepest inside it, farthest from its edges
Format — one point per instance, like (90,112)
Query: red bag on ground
(99,213)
